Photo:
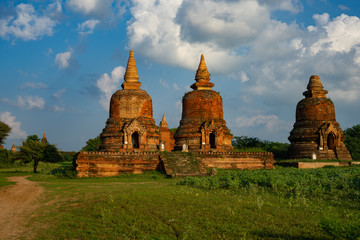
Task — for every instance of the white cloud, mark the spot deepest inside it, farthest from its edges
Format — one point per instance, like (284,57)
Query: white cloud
(244,77)
(88,26)
(343,7)
(322,19)
(341,34)
(225,24)
(26,25)
(293,6)
(63,59)
(357,56)
(16,131)
(164,83)
(54,10)
(260,51)
(91,7)
(176,87)
(48,52)
(28,102)
(33,85)
(177,32)
(272,60)
(109,84)
(178,107)
(272,123)
(57,108)
(59,93)
(31,102)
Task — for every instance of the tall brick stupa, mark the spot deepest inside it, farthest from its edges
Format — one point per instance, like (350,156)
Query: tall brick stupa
(202,126)
(316,130)
(130,125)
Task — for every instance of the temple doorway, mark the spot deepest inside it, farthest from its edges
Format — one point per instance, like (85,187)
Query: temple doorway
(212,140)
(331,141)
(135,140)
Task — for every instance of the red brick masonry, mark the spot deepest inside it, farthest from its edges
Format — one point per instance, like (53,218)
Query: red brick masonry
(115,163)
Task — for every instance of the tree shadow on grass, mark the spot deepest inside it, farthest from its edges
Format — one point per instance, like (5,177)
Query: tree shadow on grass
(269,234)
(64,171)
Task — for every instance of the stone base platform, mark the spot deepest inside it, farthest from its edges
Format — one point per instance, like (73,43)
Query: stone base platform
(317,164)
(101,164)
(237,160)
(105,164)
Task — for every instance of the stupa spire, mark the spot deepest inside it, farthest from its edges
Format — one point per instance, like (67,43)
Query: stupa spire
(163,122)
(315,88)
(315,83)
(44,139)
(202,74)
(131,76)
(202,77)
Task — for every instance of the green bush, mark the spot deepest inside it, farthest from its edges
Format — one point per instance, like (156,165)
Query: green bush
(5,158)
(352,141)
(92,145)
(327,183)
(340,230)
(254,144)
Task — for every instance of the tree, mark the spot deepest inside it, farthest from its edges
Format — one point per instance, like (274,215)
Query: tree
(4,132)
(352,141)
(33,138)
(5,158)
(31,151)
(247,142)
(51,154)
(92,145)
(253,143)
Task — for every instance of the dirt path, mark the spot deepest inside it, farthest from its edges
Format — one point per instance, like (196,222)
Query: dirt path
(17,202)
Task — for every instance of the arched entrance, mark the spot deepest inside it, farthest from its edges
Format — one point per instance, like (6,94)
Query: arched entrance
(135,140)
(331,141)
(212,140)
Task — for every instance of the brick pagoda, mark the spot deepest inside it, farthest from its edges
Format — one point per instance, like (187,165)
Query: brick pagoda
(131,138)
(316,130)
(202,126)
(130,126)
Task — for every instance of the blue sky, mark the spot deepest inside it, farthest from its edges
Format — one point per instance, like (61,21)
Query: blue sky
(60,61)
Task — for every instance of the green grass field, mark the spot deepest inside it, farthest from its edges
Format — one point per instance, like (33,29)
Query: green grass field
(259,204)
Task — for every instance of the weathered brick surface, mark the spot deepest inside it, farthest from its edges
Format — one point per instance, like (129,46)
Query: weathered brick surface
(166,137)
(130,111)
(202,128)
(130,103)
(315,109)
(104,164)
(202,117)
(315,122)
(238,160)
(202,104)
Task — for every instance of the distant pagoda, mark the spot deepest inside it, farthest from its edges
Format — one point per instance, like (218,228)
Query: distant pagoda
(316,130)
(13,148)
(44,139)
(202,126)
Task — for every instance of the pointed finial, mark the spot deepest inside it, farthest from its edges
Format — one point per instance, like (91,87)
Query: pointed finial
(202,73)
(131,76)
(163,123)
(202,77)
(44,139)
